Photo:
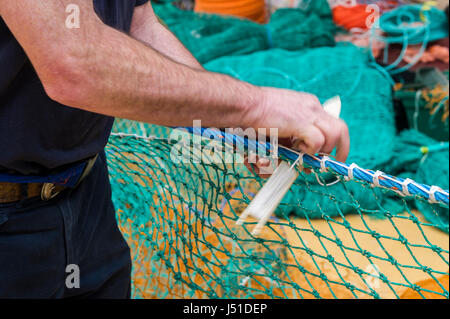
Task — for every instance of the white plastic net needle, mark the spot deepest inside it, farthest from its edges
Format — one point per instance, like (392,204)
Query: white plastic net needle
(269,197)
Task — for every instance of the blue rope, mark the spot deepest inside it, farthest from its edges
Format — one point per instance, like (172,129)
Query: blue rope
(385,180)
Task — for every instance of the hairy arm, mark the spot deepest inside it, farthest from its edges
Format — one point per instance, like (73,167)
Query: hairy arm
(99,69)
(147,28)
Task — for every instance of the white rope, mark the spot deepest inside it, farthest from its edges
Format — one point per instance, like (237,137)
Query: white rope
(323,164)
(405,184)
(350,171)
(376,178)
(433,190)
(299,161)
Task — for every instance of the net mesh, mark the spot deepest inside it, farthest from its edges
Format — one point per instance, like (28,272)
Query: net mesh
(346,240)
(179,220)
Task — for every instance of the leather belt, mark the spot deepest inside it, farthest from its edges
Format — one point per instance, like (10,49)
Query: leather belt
(14,192)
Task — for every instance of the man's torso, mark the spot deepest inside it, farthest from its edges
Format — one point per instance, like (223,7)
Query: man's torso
(37,134)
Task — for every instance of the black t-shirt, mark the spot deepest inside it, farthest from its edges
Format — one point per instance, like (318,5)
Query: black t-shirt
(37,134)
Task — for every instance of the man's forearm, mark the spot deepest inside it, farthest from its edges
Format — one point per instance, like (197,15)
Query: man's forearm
(127,79)
(102,70)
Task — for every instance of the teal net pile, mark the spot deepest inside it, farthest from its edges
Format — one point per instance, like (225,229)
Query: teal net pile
(424,159)
(180,221)
(210,36)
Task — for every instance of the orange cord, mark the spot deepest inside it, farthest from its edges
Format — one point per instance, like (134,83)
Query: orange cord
(251,9)
(351,17)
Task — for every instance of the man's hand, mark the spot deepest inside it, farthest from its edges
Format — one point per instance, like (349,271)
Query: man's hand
(301,117)
(302,124)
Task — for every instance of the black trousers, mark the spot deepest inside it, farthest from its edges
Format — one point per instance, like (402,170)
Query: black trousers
(69,247)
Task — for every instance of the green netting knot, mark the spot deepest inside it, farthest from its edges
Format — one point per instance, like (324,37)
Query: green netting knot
(393,261)
(416,288)
(204,259)
(436,249)
(323,277)
(374,294)
(349,286)
(330,258)
(177,277)
(403,240)
(383,278)
(375,235)
(426,269)
(358,271)
(309,251)
(414,219)
(387,214)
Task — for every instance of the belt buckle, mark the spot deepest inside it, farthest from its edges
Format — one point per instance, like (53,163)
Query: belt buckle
(47,191)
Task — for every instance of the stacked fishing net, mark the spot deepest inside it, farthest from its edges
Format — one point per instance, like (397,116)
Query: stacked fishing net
(426,103)
(424,160)
(212,36)
(180,221)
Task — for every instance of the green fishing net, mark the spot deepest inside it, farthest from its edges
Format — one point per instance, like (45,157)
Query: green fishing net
(210,36)
(180,222)
(426,161)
